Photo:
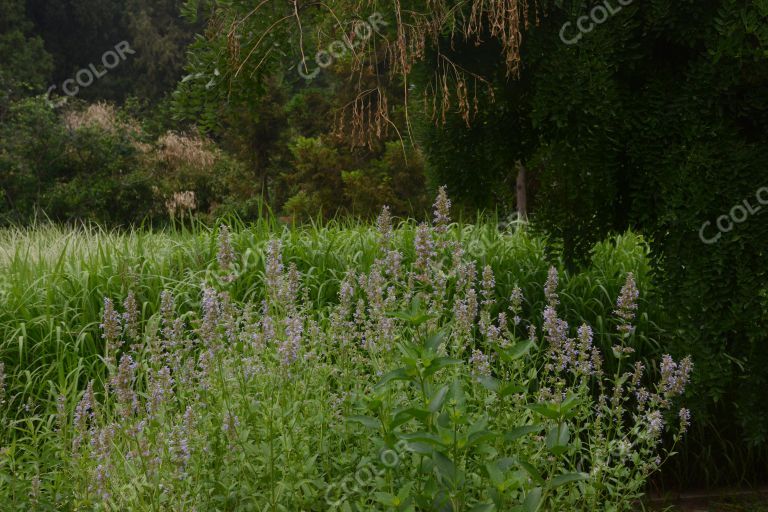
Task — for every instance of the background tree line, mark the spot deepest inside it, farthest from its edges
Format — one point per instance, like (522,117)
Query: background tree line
(272,148)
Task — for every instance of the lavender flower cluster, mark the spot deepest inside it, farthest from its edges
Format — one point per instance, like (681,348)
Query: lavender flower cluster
(177,379)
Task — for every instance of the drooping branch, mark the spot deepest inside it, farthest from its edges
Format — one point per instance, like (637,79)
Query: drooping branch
(413,31)
(439,27)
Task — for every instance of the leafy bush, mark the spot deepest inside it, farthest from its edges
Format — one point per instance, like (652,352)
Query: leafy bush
(26,63)
(677,146)
(623,135)
(324,180)
(94,163)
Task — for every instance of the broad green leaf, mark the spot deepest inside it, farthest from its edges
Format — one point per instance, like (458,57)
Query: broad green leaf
(415,316)
(374,405)
(545,410)
(533,499)
(567,478)
(405,491)
(479,437)
(437,400)
(505,463)
(527,466)
(489,383)
(457,393)
(495,473)
(557,438)
(518,350)
(571,401)
(406,415)
(438,364)
(399,374)
(445,466)
(434,341)
(424,437)
(444,420)
(387,499)
(478,426)
(511,389)
(518,432)
(419,447)
(368,421)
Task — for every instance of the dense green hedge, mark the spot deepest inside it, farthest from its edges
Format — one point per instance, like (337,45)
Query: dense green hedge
(658,120)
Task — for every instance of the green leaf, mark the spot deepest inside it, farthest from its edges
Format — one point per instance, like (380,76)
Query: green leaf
(479,426)
(528,467)
(437,401)
(532,500)
(518,432)
(389,500)
(571,401)
(457,393)
(567,478)
(445,466)
(374,405)
(511,389)
(545,410)
(478,437)
(368,421)
(406,415)
(518,350)
(405,491)
(419,447)
(424,437)
(399,374)
(434,341)
(557,439)
(495,474)
(415,316)
(489,383)
(438,364)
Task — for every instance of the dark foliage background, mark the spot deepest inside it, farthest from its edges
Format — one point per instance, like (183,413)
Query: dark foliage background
(656,121)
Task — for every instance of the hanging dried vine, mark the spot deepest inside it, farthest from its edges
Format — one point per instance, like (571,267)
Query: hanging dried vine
(415,30)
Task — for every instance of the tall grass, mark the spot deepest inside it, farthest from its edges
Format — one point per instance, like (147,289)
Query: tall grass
(53,279)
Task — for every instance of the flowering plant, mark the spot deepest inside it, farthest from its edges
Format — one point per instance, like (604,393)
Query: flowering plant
(419,388)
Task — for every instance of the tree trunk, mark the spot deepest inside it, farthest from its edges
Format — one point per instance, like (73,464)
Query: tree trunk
(522,195)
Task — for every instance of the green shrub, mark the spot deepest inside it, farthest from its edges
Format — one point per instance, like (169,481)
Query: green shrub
(31,141)
(95,163)
(623,135)
(325,180)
